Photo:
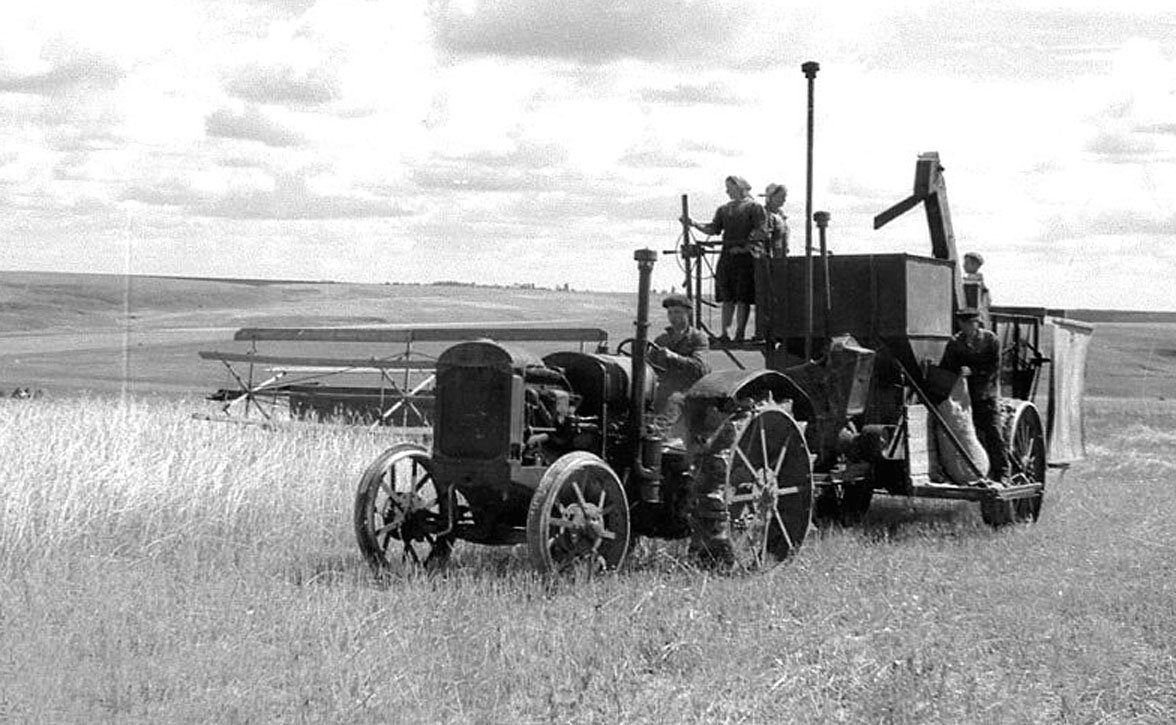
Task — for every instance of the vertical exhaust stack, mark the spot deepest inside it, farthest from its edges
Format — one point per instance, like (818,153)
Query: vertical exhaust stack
(645,261)
(810,72)
(646,448)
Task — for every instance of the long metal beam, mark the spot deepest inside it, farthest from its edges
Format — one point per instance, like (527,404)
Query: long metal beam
(332,363)
(421,334)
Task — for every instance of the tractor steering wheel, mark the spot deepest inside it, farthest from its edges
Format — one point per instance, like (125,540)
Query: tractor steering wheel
(624,348)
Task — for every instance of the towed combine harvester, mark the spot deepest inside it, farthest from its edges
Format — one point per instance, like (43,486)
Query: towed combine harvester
(562,453)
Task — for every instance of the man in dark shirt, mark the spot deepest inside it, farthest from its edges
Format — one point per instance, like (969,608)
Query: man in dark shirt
(679,354)
(975,354)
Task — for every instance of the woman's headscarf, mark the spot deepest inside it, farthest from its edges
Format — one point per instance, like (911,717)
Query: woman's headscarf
(741,183)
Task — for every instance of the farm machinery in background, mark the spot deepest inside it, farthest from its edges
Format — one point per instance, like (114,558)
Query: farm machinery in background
(561,452)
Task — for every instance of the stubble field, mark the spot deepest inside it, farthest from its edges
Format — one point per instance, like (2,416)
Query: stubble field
(154,568)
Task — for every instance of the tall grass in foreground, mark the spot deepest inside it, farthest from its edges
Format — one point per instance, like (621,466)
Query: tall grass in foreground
(155,568)
(96,477)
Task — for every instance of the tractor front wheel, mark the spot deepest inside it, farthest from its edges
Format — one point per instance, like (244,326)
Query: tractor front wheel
(578,521)
(400,515)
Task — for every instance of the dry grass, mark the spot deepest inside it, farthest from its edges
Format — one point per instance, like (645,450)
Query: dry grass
(154,568)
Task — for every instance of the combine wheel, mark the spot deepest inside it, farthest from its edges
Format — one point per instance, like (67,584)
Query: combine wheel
(1024,436)
(769,488)
(398,511)
(578,520)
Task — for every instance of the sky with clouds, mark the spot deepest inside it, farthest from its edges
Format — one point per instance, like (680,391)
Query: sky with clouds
(543,141)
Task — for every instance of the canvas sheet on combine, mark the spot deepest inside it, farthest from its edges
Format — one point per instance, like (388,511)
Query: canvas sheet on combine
(1070,342)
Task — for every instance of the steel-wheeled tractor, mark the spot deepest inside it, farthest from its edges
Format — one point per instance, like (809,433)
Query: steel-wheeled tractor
(560,453)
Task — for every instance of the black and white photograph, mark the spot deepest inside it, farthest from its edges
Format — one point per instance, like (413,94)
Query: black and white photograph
(587,361)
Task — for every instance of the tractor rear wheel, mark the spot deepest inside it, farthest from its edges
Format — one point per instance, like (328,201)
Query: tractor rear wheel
(578,520)
(769,488)
(400,515)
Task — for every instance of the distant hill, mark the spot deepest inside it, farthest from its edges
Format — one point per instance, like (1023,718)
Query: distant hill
(43,301)
(71,332)
(1127,316)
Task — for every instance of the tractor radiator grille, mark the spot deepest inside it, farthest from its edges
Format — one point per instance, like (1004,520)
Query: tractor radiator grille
(473,413)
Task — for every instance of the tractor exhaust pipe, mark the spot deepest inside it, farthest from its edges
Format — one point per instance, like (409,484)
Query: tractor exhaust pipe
(810,71)
(650,475)
(645,261)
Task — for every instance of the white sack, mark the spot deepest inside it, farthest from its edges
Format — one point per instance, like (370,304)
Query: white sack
(956,411)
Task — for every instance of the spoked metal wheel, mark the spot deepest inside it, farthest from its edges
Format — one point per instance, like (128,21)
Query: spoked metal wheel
(400,517)
(1025,438)
(769,489)
(578,521)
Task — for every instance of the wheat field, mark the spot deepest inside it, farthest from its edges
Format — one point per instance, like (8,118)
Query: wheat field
(154,568)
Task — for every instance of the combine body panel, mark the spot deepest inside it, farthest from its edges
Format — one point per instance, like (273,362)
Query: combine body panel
(897,304)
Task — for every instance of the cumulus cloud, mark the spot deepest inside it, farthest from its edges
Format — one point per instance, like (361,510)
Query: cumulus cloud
(87,71)
(1165,129)
(251,124)
(964,41)
(693,94)
(988,40)
(289,197)
(527,166)
(1134,124)
(1131,223)
(169,192)
(283,84)
(656,158)
(706,147)
(592,30)
(292,199)
(1121,147)
(1105,229)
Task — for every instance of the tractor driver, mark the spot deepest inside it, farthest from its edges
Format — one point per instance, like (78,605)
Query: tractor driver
(974,353)
(678,354)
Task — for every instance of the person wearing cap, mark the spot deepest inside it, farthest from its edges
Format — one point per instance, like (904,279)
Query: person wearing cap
(974,353)
(777,224)
(973,261)
(738,221)
(773,248)
(678,355)
(974,285)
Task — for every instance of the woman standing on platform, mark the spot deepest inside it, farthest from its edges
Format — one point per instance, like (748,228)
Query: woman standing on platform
(740,221)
